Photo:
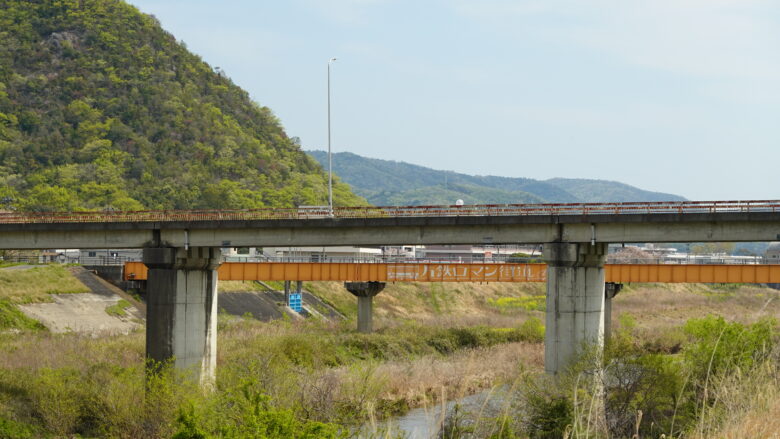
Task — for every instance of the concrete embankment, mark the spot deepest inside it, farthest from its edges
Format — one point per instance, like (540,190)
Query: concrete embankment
(105,310)
(270,304)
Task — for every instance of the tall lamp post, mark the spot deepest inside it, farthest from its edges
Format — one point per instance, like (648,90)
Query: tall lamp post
(330,158)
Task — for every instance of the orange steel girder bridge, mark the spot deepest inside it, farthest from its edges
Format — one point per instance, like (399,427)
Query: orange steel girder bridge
(475,272)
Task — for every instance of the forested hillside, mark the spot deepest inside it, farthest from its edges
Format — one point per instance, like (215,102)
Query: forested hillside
(599,191)
(102,109)
(385,182)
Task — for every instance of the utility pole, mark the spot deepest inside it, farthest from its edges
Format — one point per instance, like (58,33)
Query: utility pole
(330,158)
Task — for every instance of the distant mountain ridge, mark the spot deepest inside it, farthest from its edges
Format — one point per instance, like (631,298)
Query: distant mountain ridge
(386,182)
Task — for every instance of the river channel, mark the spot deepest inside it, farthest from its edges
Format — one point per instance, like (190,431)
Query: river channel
(425,422)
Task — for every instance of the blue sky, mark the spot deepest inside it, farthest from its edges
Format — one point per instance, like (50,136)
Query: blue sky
(680,96)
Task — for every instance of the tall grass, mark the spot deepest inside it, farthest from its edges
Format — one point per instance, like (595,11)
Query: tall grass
(419,300)
(11,318)
(725,382)
(302,378)
(35,284)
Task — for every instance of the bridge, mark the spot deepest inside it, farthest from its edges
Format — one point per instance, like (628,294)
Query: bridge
(181,251)
(414,271)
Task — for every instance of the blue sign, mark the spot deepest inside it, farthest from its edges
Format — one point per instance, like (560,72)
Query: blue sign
(296,302)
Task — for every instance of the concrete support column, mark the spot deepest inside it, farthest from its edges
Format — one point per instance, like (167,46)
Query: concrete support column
(575,300)
(611,289)
(287,293)
(365,292)
(182,308)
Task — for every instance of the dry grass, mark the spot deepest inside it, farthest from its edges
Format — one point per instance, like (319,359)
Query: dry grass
(423,381)
(34,351)
(762,422)
(752,405)
(407,300)
(494,320)
(663,306)
(419,380)
(747,405)
(35,284)
(231,286)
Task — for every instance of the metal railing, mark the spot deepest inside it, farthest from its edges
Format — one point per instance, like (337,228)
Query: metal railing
(691,261)
(680,207)
(121,260)
(498,259)
(63,259)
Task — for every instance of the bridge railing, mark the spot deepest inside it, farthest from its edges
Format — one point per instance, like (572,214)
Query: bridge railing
(497,259)
(681,207)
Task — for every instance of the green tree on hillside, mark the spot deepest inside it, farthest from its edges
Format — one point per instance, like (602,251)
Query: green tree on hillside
(102,109)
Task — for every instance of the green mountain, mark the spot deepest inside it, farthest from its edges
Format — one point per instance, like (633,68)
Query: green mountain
(385,182)
(100,108)
(602,191)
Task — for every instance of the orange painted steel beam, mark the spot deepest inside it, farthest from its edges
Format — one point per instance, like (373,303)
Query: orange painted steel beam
(459,272)
(693,273)
(135,271)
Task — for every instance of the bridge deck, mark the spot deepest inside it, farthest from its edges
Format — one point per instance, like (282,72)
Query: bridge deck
(317,212)
(490,272)
(689,221)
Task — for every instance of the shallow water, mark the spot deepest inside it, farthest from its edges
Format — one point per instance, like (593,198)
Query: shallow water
(424,422)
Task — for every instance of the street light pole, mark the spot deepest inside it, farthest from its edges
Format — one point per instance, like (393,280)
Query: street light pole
(330,158)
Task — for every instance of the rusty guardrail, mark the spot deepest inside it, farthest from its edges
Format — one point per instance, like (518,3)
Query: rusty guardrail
(681,207)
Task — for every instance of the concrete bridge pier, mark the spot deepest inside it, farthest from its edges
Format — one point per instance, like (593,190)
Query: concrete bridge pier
(365,292)
(611,289)
(575,300)
(181,323)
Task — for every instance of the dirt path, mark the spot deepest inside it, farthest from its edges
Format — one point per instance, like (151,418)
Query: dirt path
(19,267)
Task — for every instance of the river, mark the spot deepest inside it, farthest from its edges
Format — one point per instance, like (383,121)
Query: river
(425,422)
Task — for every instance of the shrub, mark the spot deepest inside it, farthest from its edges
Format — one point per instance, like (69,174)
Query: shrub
(548,411)
(12,318)
(528,303)
(717,346)
(243,412)
(10,429)
(636,381)
(532,330)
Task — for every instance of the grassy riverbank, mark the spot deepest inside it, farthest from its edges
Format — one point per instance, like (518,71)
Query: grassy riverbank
(66,384)
(318,378)
(684,361)
(21,284)
(34,284)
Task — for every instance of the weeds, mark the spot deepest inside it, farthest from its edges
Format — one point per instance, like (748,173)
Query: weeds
(118,309)
(11,318)
(528,303)
(35,284)
(706,378)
